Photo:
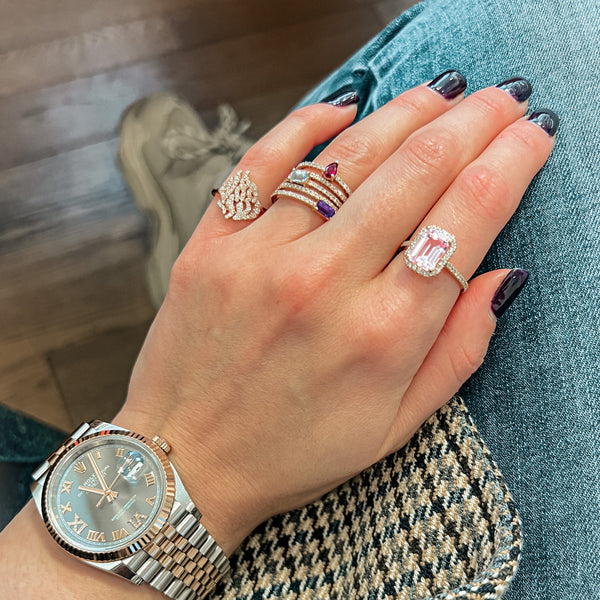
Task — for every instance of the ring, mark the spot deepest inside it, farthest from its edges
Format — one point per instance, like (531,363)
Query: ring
(239,198)
(430,252)
(319,187)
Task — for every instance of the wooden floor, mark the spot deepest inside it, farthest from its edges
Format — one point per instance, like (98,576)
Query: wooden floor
(73,304)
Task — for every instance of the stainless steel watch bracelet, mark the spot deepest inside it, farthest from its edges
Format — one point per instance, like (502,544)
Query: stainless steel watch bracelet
(183,561)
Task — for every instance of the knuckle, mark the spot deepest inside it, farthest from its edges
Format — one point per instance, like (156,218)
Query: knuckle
(306,116)
(520,137)
(415,102)
(465,360)
(486,189)
(198,264)
(260,154)
(183,273)
(489,105)
(378,323)
(292,291)
(362,150)
(374,336)
(432,153)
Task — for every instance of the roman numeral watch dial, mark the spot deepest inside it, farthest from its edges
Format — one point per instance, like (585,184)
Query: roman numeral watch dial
(106,493)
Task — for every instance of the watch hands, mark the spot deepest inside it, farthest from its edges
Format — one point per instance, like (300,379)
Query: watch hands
(115,480)
(84,488)
(98,474)
(109,494)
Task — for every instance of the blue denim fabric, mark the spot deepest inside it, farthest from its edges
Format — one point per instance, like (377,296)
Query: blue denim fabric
(536,400)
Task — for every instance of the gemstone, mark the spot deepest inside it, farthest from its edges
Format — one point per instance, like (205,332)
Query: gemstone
(299,176)
(325,209)
(430,247)
(330,170)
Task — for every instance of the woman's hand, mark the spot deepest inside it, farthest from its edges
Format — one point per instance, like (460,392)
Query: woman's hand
(292,353)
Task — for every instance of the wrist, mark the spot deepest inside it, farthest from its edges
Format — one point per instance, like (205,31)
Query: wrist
(214,491)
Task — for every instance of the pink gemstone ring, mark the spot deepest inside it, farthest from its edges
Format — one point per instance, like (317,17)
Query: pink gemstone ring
(430,252)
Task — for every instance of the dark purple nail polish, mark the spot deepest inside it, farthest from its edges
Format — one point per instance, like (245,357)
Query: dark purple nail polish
(520,89)
(546,119)
(508,290)
(343,97)
(449,84)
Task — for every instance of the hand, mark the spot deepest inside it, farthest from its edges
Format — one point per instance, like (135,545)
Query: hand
(292,353)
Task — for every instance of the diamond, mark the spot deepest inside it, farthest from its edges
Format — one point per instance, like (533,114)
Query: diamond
(239,198)
(330,170)
(430,250)
(298,176)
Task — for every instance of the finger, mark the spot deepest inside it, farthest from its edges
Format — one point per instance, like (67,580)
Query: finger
(271,159)
(476,207)
(361,149)
(457,353)
(395,198)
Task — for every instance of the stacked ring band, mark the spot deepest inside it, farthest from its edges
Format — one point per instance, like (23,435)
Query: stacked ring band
(430,252)
(317,186)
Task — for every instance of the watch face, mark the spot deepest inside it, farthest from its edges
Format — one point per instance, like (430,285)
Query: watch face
(106,493)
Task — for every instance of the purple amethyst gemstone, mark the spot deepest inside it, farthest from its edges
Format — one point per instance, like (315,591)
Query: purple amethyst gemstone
(326,210)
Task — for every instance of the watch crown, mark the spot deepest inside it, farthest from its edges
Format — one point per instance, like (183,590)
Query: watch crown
(162,444)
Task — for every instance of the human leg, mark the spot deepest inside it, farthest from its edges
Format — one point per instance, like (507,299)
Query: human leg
(536,399)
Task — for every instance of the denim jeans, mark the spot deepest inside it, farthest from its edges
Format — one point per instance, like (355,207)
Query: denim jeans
(536,399)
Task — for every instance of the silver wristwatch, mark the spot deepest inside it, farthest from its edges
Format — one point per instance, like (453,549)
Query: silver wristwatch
(112,498)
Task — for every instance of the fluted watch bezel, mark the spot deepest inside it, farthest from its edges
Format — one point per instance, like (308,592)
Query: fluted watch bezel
(148,534)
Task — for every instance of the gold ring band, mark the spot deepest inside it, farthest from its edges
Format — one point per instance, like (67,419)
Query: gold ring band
(317,186)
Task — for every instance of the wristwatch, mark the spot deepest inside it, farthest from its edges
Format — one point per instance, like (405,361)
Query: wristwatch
(112,498)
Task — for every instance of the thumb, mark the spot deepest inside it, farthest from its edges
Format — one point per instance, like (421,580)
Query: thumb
(458,351)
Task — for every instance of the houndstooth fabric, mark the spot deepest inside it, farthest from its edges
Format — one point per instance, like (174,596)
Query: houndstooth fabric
(432,521)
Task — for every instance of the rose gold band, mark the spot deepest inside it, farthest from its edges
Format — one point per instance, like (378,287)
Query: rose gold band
(183,561)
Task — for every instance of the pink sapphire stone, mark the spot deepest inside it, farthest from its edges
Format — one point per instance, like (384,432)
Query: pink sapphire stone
(331,170)
(430,247)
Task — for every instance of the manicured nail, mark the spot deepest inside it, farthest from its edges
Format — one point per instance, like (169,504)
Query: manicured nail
(546,119)
(343,97)
(520,89)
(449,84)
(508,290)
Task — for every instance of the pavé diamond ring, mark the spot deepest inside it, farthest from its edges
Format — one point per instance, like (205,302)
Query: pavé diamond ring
(430,252)
(239,198)
(319,187)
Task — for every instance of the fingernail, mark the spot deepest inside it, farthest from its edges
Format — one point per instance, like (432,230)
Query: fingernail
(546,119)
(508,290)
(343,97)
(449,84)
(520,89)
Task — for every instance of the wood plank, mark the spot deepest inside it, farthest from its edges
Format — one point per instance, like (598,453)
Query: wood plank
(38,21)
(120,44)
(73,249)
(34,130)
(93,375)
(72,243)
(63,18)
(39,123)
(28,386)
(55,316)
(52,197)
